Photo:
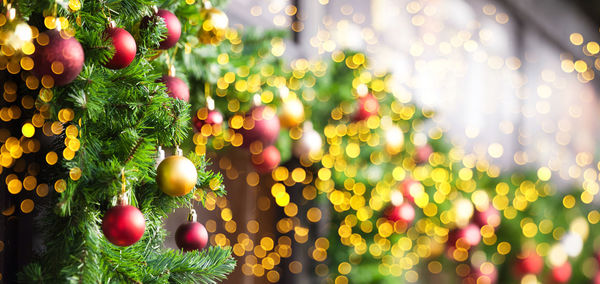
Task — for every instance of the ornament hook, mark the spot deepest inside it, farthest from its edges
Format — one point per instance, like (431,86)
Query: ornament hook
(192,216)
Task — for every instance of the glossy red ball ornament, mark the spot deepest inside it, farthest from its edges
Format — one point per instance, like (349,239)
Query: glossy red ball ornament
(173,29)
(529,263)
(422,153)
(260,125)
(490,216)
(58,56)
(267,160)
(176,88)
(204,116)
(561,273)
(191,236)
(404,213)
(123,225)
(367,106)
(469,236)
(405,188)
(125,48)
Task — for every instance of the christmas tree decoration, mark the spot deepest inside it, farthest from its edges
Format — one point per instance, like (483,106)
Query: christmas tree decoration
(469,236)
(267,160)
(173,29)
(529,263)
(58,58)
(176,175)
(394,140)
(489,216)
(367,106)
(260,125)
(404,213)
(561,273)
(422,153)
(214,25)
(176,88)
(291,113)
(123,225)
(124,46)
(309,144)
(191,235)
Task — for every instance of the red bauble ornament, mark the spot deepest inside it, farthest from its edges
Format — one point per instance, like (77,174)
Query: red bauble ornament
(597,278)
(490,216)
(191,235)
(469,235)
(204,116)
(176,88)
(422,153)
(530,263)
(367,106)
(60,57)
(123,225)
(173,29)
(262,125)
(562,273)
(125,48)
(405,187)
(267,160)
(404,213)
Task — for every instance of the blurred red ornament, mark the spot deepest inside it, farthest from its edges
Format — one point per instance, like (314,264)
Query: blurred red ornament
(173,29)
(267,160)
(405,187)
(262,125)
(485,274)
(123,225)
(367,106)
(530,263)
(403,213)
(422,153)
(125,48)
(61,57)
(469,236)
(562,273)
(490,216)
(204,116)
(191,235)
(176,88)
(597,278)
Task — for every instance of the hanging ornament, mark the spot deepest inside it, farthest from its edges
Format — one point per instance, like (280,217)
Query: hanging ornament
(260,125)
(489,216)
(403,213)
(292,111)
(411,188)
(561,273)
(309,144)
(176,88)
(176,175)
(124,46)
(214,25)
(394,140)
(207,116)
(123,225)
(422,153)
(267,160)
(57,56)
(191,235)
(173,29)
(469,236)
(367,107)
(529,263)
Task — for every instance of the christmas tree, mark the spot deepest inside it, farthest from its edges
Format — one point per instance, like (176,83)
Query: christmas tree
(100,96)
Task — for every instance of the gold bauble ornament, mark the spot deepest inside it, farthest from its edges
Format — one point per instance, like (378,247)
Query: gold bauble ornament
(214,25)
(176,175)
(292,113)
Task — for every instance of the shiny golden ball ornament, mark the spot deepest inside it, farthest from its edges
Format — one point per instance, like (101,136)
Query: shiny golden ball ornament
(292,113)
(214,25)
(176,175)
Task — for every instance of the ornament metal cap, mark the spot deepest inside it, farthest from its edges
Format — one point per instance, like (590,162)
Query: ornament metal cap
(111,24)
(192,216)
(178,151)
(160,155)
